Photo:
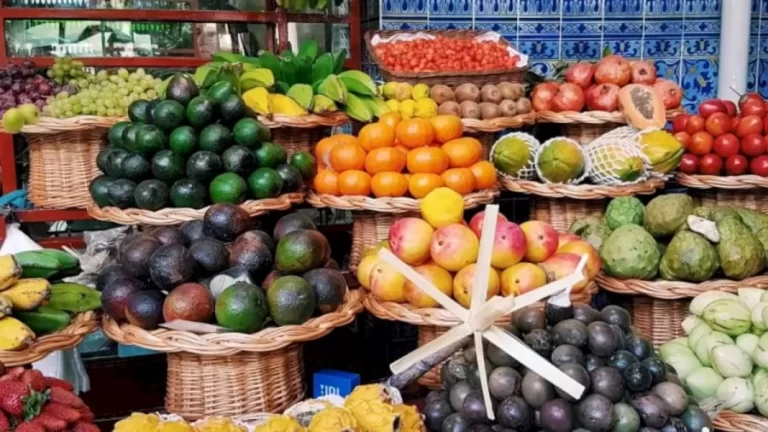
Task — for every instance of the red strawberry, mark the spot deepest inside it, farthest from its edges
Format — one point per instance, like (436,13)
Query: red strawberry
(51,424)
(59,395)
(5,424)
(35,379)
(12,394)
(29,427)
(85,427)
(86,415)
(55,382)
(13,373)
(60,411)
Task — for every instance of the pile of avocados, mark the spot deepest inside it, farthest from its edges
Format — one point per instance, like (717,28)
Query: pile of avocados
(190,150)
(220,270)
(627,387)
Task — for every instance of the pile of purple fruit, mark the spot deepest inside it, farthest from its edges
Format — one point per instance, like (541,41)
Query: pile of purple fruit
(22,84)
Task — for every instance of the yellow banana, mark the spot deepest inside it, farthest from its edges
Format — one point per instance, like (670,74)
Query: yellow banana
(10,271)
(28,294)
(259,77)
(282,104)
(322,104)
(258,100)
(6,307)
(14,334)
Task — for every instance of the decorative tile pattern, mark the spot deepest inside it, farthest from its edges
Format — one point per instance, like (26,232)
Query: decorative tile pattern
(699,81)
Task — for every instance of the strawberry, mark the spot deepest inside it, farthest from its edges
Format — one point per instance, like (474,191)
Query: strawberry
(59,395)
(51,424)
(85,427)
(12,394)
(60,411)
(29,427)
(86,415)
(5,424)
(12,374)
(34,378)
(55,382)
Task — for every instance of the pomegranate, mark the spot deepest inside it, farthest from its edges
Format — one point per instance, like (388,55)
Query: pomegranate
(542,96)
(643,72)
(613,70)
(580,74)
(671,93)
(569,97)
(603,97)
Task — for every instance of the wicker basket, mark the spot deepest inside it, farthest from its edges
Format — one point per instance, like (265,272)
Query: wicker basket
(729,421)
(52,126)
(61,167)
(368,229)
(390,205)
(673,290)
(298,140)
(498,124)
(67,338)
(175,216)
(592,117)
(659,320)
(718,182)
(751,199)
(580,191)
(446,78)
(562,212)
(585,133)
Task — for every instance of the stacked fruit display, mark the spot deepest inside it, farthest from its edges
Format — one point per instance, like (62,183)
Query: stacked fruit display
(675,240)
(23,93)
(596,87)
(627,388)
(284,279)
(444,250)
(466,101)
(173,423)
(190,150)
(32,402)
(433,153)
(30,306)
(721,140)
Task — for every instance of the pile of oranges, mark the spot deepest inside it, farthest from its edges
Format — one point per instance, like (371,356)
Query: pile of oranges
(396,158)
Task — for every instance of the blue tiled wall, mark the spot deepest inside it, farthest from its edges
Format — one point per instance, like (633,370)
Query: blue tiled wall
(682,37)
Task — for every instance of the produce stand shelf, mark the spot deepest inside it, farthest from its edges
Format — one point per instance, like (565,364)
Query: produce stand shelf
(390,205)
(718,182)
(69,337)
(580,191)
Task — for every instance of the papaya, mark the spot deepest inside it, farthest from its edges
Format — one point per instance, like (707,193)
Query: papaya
(642,106)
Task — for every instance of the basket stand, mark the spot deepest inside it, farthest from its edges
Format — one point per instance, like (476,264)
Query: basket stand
(368,229)
(201,386)
(659,320)
(562,212)
(585,133)
(296,140)
(748,198)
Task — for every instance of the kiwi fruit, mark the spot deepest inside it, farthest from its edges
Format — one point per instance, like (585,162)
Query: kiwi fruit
(441,94)
(524,105)
(467,92)
(511,91)
(489,110)
(489,93)
(449,107)
(508,108)
(470,109)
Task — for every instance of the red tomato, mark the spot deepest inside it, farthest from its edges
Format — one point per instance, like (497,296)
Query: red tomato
(718,123)
(684,138)
(689,163)
(701,143)
(695,124)
(680,123)
(765,124)
(749,125)
(759,166)
(730,108)
(726,145)
(735,122)
(709,107)
(753,107)
(753,145)
(736,165)
(710,164)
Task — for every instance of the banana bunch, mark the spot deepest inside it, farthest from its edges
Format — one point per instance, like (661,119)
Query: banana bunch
(45,263)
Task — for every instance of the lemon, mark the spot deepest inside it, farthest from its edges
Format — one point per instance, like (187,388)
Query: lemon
(442,206)
(406,108)
(394,105)
(389,90)
(425,108)
(403,91)
(420,91)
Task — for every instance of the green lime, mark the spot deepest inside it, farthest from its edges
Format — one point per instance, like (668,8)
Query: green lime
(183,141)
(305,163)
(228,188)
(270,155)
(249,132)
(265,183)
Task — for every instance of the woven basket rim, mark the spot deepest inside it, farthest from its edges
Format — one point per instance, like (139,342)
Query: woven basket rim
(580,191)
(696,181)
(175,216)
(310,121)
(390,205)
(453,34)
(729,421)
(592,117)
(498,124)
(674,290)
(226,344)
(440,317)
(52,125)
(66,338)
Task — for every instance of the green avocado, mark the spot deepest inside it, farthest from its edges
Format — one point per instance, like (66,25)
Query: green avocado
(215,138)
(137,111)
(265,183)
(121,193)
(204,166)
(305,163)
(114,162)
(228,188)
(183,141)
(301,250)
(115,133)
(201,112)
(291,300)
(167,166)
(239,160)
(189,193)
(242,307)
(135,167)
(151,195)
(150,140)
(250,132)
(168,115)
(270,155)
(231,110)
(99,189)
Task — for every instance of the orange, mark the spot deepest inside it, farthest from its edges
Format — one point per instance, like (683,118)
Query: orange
(355,182)
(459,179)
(384,159)
(419,185)
(375,135)
(391,118)
(427,160)
(447,127)
(403,149)
(347,156)
(463,152)
(415,132)
(389,184)
(326,182)
(485,175)
(324,146)
(408,177)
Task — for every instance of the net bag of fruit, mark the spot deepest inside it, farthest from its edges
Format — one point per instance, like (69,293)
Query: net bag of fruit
(617,159)
(513,155)
(562,160)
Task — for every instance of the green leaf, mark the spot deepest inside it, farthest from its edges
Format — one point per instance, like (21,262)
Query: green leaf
(308,48)
(288,70)
(271,62)
(304,69)
(607,51)
(338,58)
(287,54)
(324,66)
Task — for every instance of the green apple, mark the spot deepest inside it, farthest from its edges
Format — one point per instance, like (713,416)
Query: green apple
(13,120)
(30,113)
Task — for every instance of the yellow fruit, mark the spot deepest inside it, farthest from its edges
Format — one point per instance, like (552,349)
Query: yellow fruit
(376,416)
(407,108)
(374,250)
(403,91)
(334,420)
(14,334)
(410,419)
(663,150)
(369,392)
(258,100)
(389,90)
(10,271)
(442,206)
(425,108)
(282,104)
(28,294)
(138,422)
(420,91)
(280,423)
(174,426)
(364,269)
(394,105)
(6,307)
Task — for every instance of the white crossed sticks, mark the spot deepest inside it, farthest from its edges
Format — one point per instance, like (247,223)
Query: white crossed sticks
(479,319)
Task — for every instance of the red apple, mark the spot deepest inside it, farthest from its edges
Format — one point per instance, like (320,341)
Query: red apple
(749,125)
(753,145)
(710,164)
(689,163)
(748,97)
(684,138)
(730,107)
(736,165)
(759,166)
(680,122)
(701,143)
(753,107)
(718,123)
(695,124)
(709,107)
(726,146)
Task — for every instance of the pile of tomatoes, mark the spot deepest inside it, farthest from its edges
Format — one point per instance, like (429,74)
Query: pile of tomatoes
(444,55)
